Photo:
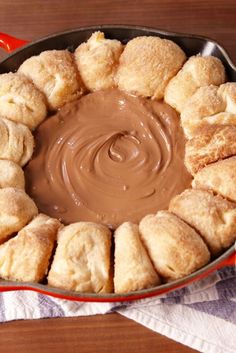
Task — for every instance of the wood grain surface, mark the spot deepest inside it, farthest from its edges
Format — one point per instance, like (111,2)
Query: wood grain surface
(98,334)
(33,19)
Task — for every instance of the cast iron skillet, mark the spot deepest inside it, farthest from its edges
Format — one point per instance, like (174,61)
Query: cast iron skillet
(192,45)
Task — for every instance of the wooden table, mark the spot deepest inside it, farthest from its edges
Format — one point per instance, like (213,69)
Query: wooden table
(31,19)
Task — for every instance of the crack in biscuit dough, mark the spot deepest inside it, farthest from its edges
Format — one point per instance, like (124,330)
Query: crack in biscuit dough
(108,157)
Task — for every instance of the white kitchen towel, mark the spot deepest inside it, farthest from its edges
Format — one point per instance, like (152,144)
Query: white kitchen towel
(202,315)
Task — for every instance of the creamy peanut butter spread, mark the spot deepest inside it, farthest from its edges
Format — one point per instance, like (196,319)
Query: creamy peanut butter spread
(109,157)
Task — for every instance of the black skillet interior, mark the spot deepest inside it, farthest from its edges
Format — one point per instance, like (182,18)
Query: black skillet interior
(192,45)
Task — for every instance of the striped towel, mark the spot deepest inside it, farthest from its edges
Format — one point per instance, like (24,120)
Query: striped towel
(202,315)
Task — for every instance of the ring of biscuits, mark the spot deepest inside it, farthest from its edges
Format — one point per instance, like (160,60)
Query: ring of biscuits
(200,222)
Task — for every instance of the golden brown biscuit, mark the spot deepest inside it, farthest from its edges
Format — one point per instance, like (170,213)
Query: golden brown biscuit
(147,64)
(16,210)
(223,118)
(211,143)
(82,259)
(209,105)
(176,250)
(16,142)
(26,257)
(203,103)
(133,267)
(220,177)
(212,216)
(55,74)
(228,94)
(21,101)
(11,175)
(220,119)
(197,72)
(97,61)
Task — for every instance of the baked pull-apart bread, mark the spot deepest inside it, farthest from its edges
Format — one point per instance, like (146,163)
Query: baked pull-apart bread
(147,64)
(175,248)
(212,216)
(209,105)
(26,256)
(55,74)
(133,267)
(168,245)
(11,175)
(82,259)
(21,101)
(212,143)
(197,72)
(220,177)
(16,210)
(97,61)
(16,142)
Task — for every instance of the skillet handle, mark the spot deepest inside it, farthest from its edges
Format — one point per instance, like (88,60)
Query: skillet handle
(230,261)
(10,43)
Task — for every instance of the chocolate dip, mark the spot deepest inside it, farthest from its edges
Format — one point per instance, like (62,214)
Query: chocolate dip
(109,157)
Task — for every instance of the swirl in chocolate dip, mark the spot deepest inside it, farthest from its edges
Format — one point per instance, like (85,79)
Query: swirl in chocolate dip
(108,157)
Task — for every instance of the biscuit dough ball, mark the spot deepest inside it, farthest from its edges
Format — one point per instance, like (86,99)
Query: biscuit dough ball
(211,144)
(147,64)
(21,101)
(197,72)
(55,74)
(203,103)
(16,210)
(209,105)
(26,257)
(82,259)
(133,267)
(175,248)
(220,177)
(97,61)
(11,175)
(228,94)
(212,216)
(16,142)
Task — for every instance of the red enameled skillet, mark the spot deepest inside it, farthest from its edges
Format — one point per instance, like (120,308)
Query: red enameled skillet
(192,45)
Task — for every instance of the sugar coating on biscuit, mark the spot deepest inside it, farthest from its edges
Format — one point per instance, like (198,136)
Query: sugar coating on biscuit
(16,142)
(203,103)
(16,210)
(133,267)
(209,105)
(212,216)
(26,257)
(223,118)
(147,64)
(11,175)
(175,248)
(82,259)
(97,61)
(21,101)
(197,72)
(211,143)
(228,94)
(219,177)
(55,74)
